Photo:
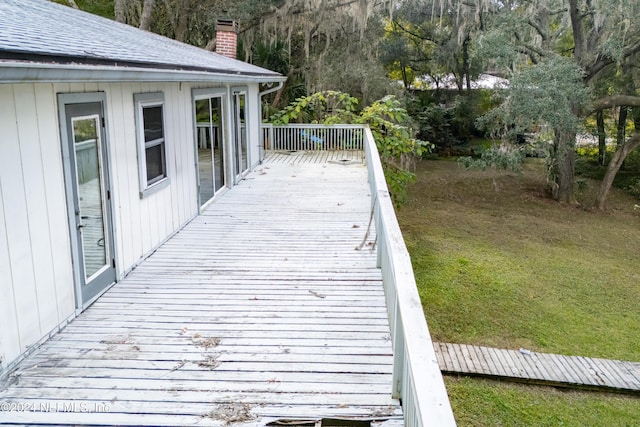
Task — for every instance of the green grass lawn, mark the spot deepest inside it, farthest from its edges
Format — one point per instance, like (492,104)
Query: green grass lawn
(499,264)
(481,403)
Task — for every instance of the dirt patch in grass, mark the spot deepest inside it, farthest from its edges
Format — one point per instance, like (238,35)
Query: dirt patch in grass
(499,264)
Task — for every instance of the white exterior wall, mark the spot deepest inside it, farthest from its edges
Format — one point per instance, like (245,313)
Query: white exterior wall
(37,289)
(142,224)
(36,277)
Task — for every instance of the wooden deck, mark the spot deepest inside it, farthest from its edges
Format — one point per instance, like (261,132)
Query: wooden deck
(314,157)
(260,309)
(540,368)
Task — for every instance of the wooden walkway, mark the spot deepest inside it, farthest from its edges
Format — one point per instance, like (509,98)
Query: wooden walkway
(539,368)
(260,309)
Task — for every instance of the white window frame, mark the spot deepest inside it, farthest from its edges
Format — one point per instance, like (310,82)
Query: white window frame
(142,101)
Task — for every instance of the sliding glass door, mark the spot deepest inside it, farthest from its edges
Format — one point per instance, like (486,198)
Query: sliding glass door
(210,145)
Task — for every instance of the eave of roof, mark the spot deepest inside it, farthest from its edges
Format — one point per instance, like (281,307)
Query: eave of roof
(34,72)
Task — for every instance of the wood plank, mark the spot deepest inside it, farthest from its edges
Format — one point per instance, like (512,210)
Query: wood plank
(539,368)
(341,362)
(329,344)
(200,396)
(182,385)
(481,362)
(190,372)
(300,315)
(470,357)
(587,371)
(600,372)
(574,374)
(521,367)
(619,375)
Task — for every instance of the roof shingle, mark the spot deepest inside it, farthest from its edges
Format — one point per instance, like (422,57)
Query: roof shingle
(42,31)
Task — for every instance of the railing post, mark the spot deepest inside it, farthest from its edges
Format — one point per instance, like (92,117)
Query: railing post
(398,353)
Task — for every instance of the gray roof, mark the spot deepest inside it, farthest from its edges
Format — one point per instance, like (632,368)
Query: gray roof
(49,36)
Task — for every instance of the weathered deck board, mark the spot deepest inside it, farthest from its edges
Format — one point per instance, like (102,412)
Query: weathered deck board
(539,368)
(318,157)
(261,307)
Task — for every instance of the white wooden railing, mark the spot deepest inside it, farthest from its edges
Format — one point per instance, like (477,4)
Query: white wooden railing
(417,380)
(300,137)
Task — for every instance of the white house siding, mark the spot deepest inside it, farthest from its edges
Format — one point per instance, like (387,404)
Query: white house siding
(37,290)
(36,280)
(142,224)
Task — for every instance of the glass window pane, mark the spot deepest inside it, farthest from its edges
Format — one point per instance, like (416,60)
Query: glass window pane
(152,117)
(90,193)
(155,162)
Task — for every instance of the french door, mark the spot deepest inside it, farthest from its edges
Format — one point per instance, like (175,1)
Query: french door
(88,192)
(210,144)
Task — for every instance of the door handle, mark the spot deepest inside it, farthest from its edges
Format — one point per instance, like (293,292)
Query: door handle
(80,226)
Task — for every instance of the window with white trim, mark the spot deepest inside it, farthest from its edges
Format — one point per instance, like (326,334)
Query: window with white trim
(152,161)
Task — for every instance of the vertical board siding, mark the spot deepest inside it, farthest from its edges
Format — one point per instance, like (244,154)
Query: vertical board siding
(17,224)
(37,209)
(127,165)
(119,179)
(60,245)
(36,278)
(36,270)
(142,224)
(9,338)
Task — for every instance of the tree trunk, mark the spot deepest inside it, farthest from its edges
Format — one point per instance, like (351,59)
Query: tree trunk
(563,168)
(145,17)
(466,68)
(405,78)
(602,138)
(622,124)
(120,10)
(614,166)
(182,25)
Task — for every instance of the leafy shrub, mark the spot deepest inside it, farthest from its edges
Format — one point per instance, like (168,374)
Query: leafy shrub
(449,121)
(500,157)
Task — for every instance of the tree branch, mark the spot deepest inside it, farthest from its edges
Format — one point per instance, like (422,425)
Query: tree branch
(538,29)
(603,62)
(612,102)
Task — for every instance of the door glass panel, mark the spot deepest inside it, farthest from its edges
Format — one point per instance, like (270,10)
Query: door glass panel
(210,147)
(87,146)
(241,158)
(243,133)
(218,146)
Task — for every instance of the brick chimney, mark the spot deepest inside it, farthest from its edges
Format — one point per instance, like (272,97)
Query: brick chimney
(226,37)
